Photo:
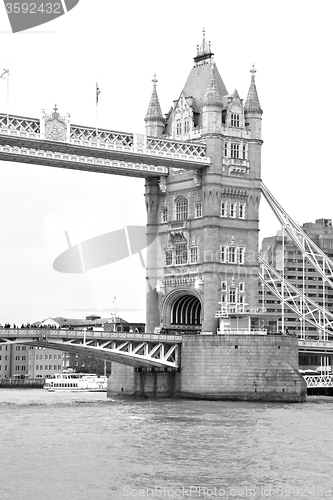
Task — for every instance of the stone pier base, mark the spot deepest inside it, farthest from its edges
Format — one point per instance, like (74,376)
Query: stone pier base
(221,367)
(153,383)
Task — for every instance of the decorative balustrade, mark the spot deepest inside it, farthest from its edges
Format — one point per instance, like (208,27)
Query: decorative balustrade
(318,380)
(56,128)
(178,147)
(53,333)
(19,124)
(89,134)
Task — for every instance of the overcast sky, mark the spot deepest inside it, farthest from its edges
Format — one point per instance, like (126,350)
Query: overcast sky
(122,44)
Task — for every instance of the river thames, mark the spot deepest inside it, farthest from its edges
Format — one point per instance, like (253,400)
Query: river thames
(58,446)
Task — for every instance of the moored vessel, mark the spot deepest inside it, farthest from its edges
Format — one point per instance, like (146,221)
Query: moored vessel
(76,382)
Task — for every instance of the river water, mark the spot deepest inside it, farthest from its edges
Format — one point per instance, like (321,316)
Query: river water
(58,446)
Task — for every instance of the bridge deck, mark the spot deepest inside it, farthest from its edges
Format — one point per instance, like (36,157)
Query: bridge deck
(24,139)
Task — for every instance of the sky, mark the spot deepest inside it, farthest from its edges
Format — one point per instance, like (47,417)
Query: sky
(121,45)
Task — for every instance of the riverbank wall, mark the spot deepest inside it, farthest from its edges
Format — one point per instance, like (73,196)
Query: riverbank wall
(29,383)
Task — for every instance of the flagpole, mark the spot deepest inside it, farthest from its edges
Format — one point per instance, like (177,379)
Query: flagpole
(8,96)
(97,94)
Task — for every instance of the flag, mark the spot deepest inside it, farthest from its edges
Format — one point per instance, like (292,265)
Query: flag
(97,92)
(4,74)
(114,299)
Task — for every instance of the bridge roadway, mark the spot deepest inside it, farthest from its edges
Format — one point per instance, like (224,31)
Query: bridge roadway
(134,349)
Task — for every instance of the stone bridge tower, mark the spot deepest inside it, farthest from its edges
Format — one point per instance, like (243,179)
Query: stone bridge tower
(205,256)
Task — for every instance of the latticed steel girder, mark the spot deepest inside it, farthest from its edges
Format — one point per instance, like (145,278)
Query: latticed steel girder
(318,380)
(320,261)
(305,308)
(133,353)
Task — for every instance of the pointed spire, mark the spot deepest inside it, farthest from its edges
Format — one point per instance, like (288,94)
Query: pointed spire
(204,50)
(235,95)
(252,101)
(212,96)
(154,109)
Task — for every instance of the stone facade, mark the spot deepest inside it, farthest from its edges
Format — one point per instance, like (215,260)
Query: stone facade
(221,367)
(244,367)
(206,221)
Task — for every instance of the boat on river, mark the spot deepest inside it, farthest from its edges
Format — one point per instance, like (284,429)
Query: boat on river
(76,382)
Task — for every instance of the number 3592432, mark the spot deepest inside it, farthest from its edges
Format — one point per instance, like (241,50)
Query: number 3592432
(33,8)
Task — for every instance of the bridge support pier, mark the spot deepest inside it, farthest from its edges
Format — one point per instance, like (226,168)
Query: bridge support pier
(140,382)
(221,367)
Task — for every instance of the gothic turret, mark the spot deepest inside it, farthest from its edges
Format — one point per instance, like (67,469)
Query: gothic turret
(252,109)
(154,118)
(212,105)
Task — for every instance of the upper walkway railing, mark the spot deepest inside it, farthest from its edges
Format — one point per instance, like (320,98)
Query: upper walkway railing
(54,333)
(167,152)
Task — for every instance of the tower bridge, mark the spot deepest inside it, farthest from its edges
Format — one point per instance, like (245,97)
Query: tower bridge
(138,350)
(202,165)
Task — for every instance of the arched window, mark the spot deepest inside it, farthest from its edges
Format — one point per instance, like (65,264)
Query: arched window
(181,209)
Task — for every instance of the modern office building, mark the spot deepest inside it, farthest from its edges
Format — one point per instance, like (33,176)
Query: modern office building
(300,273)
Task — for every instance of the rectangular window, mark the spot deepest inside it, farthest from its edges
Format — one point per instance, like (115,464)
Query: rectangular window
(164,215)
(168,257)
(223,286)
(24,358)
(241,211)
(242,287)
(24,348)
(241,255)
(17,348)
(244,152)
(232,255)
(186,126)
(178,127)
(181,253)
(194,255)
(223,253)
(59,356)
(198,210)
(234,119)
(23,368)
(233,210)
(234,150)
(182,209)
(37,367)
(223,211)
(232,296)
(225,149)
(50,367)
(17,358)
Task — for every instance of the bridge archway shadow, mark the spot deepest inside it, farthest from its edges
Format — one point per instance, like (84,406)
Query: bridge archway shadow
(182,309)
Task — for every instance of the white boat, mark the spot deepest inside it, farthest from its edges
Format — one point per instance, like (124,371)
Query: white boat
(76,382)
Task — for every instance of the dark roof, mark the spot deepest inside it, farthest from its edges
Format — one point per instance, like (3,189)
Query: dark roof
(252,101)
(198,80)
(85,322)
